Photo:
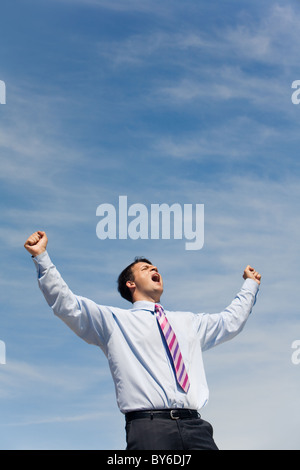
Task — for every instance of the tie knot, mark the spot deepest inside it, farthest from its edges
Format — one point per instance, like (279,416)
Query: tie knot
(158,309)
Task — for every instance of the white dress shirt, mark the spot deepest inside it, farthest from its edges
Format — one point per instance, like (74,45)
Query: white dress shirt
(131,340)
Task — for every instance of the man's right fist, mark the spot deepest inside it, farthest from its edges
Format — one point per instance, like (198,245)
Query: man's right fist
(36,244)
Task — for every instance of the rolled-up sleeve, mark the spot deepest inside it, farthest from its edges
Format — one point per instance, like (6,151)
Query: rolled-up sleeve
(217,328)
(88,320)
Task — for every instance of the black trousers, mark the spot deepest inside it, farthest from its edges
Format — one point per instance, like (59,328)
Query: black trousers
(156,433)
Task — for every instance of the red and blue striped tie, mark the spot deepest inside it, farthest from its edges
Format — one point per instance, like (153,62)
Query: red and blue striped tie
(181,373)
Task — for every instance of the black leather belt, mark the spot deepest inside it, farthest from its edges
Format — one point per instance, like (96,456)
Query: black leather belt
(163,414)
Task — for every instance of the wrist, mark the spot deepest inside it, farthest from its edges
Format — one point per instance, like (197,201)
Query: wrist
(39,253)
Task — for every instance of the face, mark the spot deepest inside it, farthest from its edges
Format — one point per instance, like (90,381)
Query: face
(147,284)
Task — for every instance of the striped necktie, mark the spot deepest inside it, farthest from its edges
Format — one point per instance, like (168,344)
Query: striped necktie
(181,373)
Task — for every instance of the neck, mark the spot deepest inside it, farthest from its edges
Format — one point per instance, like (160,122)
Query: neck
(148,298)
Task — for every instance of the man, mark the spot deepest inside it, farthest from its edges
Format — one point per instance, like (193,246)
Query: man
(155,356)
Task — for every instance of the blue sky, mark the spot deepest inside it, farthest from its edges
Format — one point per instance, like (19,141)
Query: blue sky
(164,102)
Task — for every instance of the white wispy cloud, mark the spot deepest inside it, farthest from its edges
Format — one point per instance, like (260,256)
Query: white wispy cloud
(267,40)
(233,140)
(143,6)
(20,378)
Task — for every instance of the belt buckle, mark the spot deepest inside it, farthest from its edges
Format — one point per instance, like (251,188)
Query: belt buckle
(172,416)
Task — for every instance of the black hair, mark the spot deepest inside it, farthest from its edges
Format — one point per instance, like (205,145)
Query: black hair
(127,275)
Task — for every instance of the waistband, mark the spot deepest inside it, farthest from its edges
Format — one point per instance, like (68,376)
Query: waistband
(177,413)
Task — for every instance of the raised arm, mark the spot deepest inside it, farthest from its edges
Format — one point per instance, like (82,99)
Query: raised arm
(217,328)
(87,319)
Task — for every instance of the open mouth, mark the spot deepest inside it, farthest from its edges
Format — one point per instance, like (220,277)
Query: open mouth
(155,277)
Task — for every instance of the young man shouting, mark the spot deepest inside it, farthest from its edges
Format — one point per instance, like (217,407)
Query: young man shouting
(155,355)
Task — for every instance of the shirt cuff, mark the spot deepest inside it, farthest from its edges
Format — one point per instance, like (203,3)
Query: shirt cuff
(42,263)
(251,286)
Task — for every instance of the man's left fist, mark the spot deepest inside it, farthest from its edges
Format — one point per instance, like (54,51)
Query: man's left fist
(250,273)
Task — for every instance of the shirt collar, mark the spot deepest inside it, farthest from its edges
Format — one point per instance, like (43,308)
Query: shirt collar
(144,305)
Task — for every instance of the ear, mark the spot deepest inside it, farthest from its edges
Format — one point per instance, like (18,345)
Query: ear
(130,284)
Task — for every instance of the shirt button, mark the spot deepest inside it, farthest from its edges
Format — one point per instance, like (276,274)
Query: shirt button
(178,404)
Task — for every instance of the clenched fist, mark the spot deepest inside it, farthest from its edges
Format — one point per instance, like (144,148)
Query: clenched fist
(250,273)
(36,244)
